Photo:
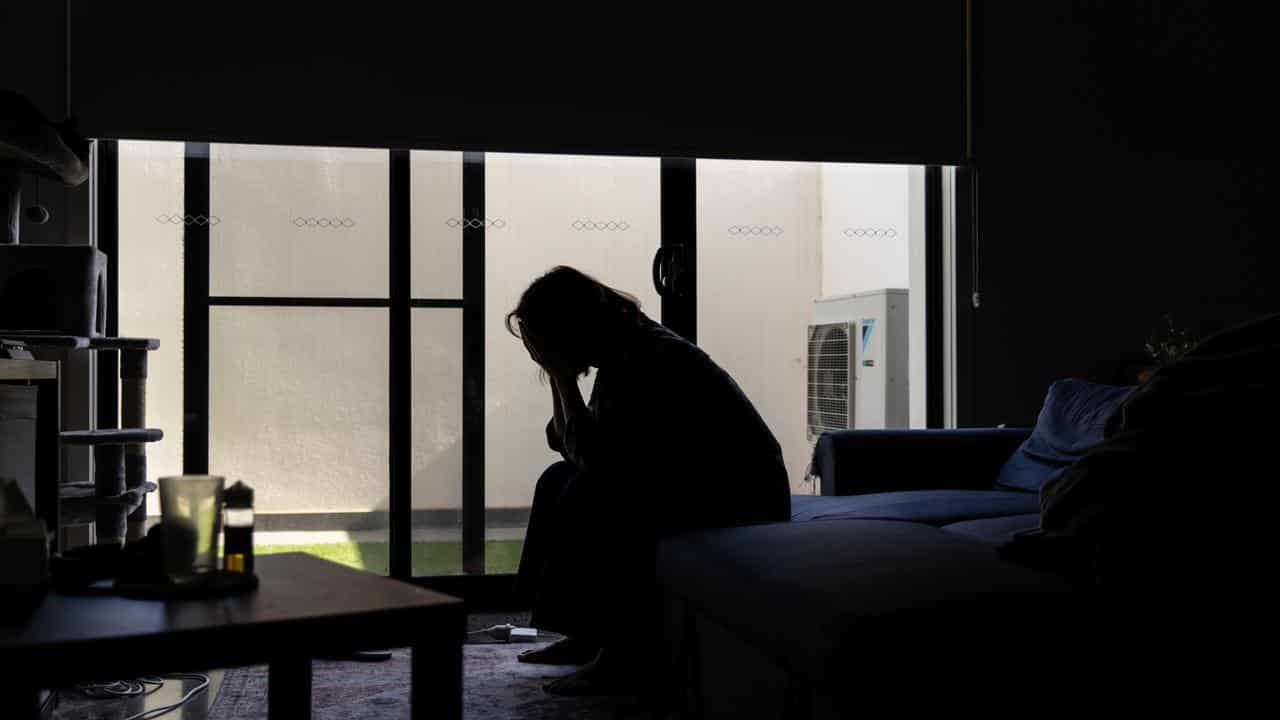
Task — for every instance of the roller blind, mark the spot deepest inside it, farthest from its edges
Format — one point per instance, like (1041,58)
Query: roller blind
(862,81)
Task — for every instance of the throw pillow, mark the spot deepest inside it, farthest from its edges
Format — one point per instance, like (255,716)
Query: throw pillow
(1071,423)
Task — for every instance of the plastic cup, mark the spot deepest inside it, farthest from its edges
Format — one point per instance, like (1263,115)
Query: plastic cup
(191,513)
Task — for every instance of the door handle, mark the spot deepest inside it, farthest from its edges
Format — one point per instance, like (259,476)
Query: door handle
(668,269)
(675,271)
(660,271)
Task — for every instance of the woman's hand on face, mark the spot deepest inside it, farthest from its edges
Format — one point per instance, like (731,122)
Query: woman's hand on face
(529,346)
(557,366)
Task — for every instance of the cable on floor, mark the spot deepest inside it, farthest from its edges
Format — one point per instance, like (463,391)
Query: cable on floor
(203,684)
(50,703)
(145,686)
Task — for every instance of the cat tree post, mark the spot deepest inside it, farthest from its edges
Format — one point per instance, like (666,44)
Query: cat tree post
(133,413)
(113,500)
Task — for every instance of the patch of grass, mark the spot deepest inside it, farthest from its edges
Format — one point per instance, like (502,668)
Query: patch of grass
(429,558)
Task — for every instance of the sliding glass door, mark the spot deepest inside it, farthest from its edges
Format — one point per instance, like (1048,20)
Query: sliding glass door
(332,319)
(268,274)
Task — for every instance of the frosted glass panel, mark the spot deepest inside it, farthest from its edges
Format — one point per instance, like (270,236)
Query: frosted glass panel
(150,276)
(435,184)
(598,214)
(298,410)
(437,441)
(298,221)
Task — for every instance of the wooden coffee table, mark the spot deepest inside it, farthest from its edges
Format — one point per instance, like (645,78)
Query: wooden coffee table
(305,607)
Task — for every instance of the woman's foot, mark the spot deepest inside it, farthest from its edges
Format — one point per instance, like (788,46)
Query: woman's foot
(565,651)
(602,676)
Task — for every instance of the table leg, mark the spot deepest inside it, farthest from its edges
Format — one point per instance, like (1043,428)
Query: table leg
(436,680)
(289,689)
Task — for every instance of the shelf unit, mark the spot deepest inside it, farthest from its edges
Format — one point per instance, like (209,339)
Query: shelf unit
(44,376)
(116,499)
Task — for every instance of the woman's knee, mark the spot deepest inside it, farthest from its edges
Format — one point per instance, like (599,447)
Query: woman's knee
(554,480)
(560,469)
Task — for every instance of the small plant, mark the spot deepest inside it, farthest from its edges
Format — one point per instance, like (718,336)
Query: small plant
(1170,341)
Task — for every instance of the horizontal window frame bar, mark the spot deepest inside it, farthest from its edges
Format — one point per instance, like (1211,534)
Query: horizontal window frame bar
(250,301)
(446,303)
(244,301)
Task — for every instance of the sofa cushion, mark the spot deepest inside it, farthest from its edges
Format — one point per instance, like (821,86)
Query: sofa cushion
(1072,422)
(933,507)
(995,531)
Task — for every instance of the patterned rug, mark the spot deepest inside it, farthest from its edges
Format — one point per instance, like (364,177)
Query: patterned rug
(495,687)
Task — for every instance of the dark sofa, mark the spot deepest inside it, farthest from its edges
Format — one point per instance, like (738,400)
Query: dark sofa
(894,594)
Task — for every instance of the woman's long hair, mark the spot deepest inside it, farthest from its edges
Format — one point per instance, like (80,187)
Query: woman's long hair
(574,310)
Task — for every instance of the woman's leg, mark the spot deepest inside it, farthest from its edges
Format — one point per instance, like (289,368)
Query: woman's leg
(588,552)
(601,541)
(537,536)
(535,556)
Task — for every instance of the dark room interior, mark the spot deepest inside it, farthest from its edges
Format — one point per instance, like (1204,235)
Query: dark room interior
(907,359)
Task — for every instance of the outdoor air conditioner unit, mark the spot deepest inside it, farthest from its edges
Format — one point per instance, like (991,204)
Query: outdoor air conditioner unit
(858,362)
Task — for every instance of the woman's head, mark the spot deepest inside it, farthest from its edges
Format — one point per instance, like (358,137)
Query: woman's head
(571,312)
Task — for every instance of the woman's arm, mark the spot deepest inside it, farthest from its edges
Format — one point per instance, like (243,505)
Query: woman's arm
(557,416)
(571,406)
(581,440)
(555,428)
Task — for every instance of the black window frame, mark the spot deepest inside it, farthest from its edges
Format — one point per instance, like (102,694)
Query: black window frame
(675,273)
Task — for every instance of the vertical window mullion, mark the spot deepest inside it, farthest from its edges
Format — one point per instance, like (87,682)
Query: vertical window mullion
(678,218)
(195,309)
(933,339)
(473,363)
(400,374)
(966,296)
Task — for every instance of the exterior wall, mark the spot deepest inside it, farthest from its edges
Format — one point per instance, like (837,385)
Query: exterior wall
(772,238)
(873,237)
(151,282)
(435,181)
(756,291)
(866,225)
(300,222)
(917,357)
(298,396)
(298,405)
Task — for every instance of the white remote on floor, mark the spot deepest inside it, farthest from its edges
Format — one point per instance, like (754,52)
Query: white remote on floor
(522,634)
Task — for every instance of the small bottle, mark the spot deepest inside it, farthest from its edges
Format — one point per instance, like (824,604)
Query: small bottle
(237,545)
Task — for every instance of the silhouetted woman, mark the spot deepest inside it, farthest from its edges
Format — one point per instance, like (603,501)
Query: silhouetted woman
(668,441)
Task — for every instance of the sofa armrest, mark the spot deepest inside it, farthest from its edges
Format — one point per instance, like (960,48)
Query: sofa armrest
(854,462)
